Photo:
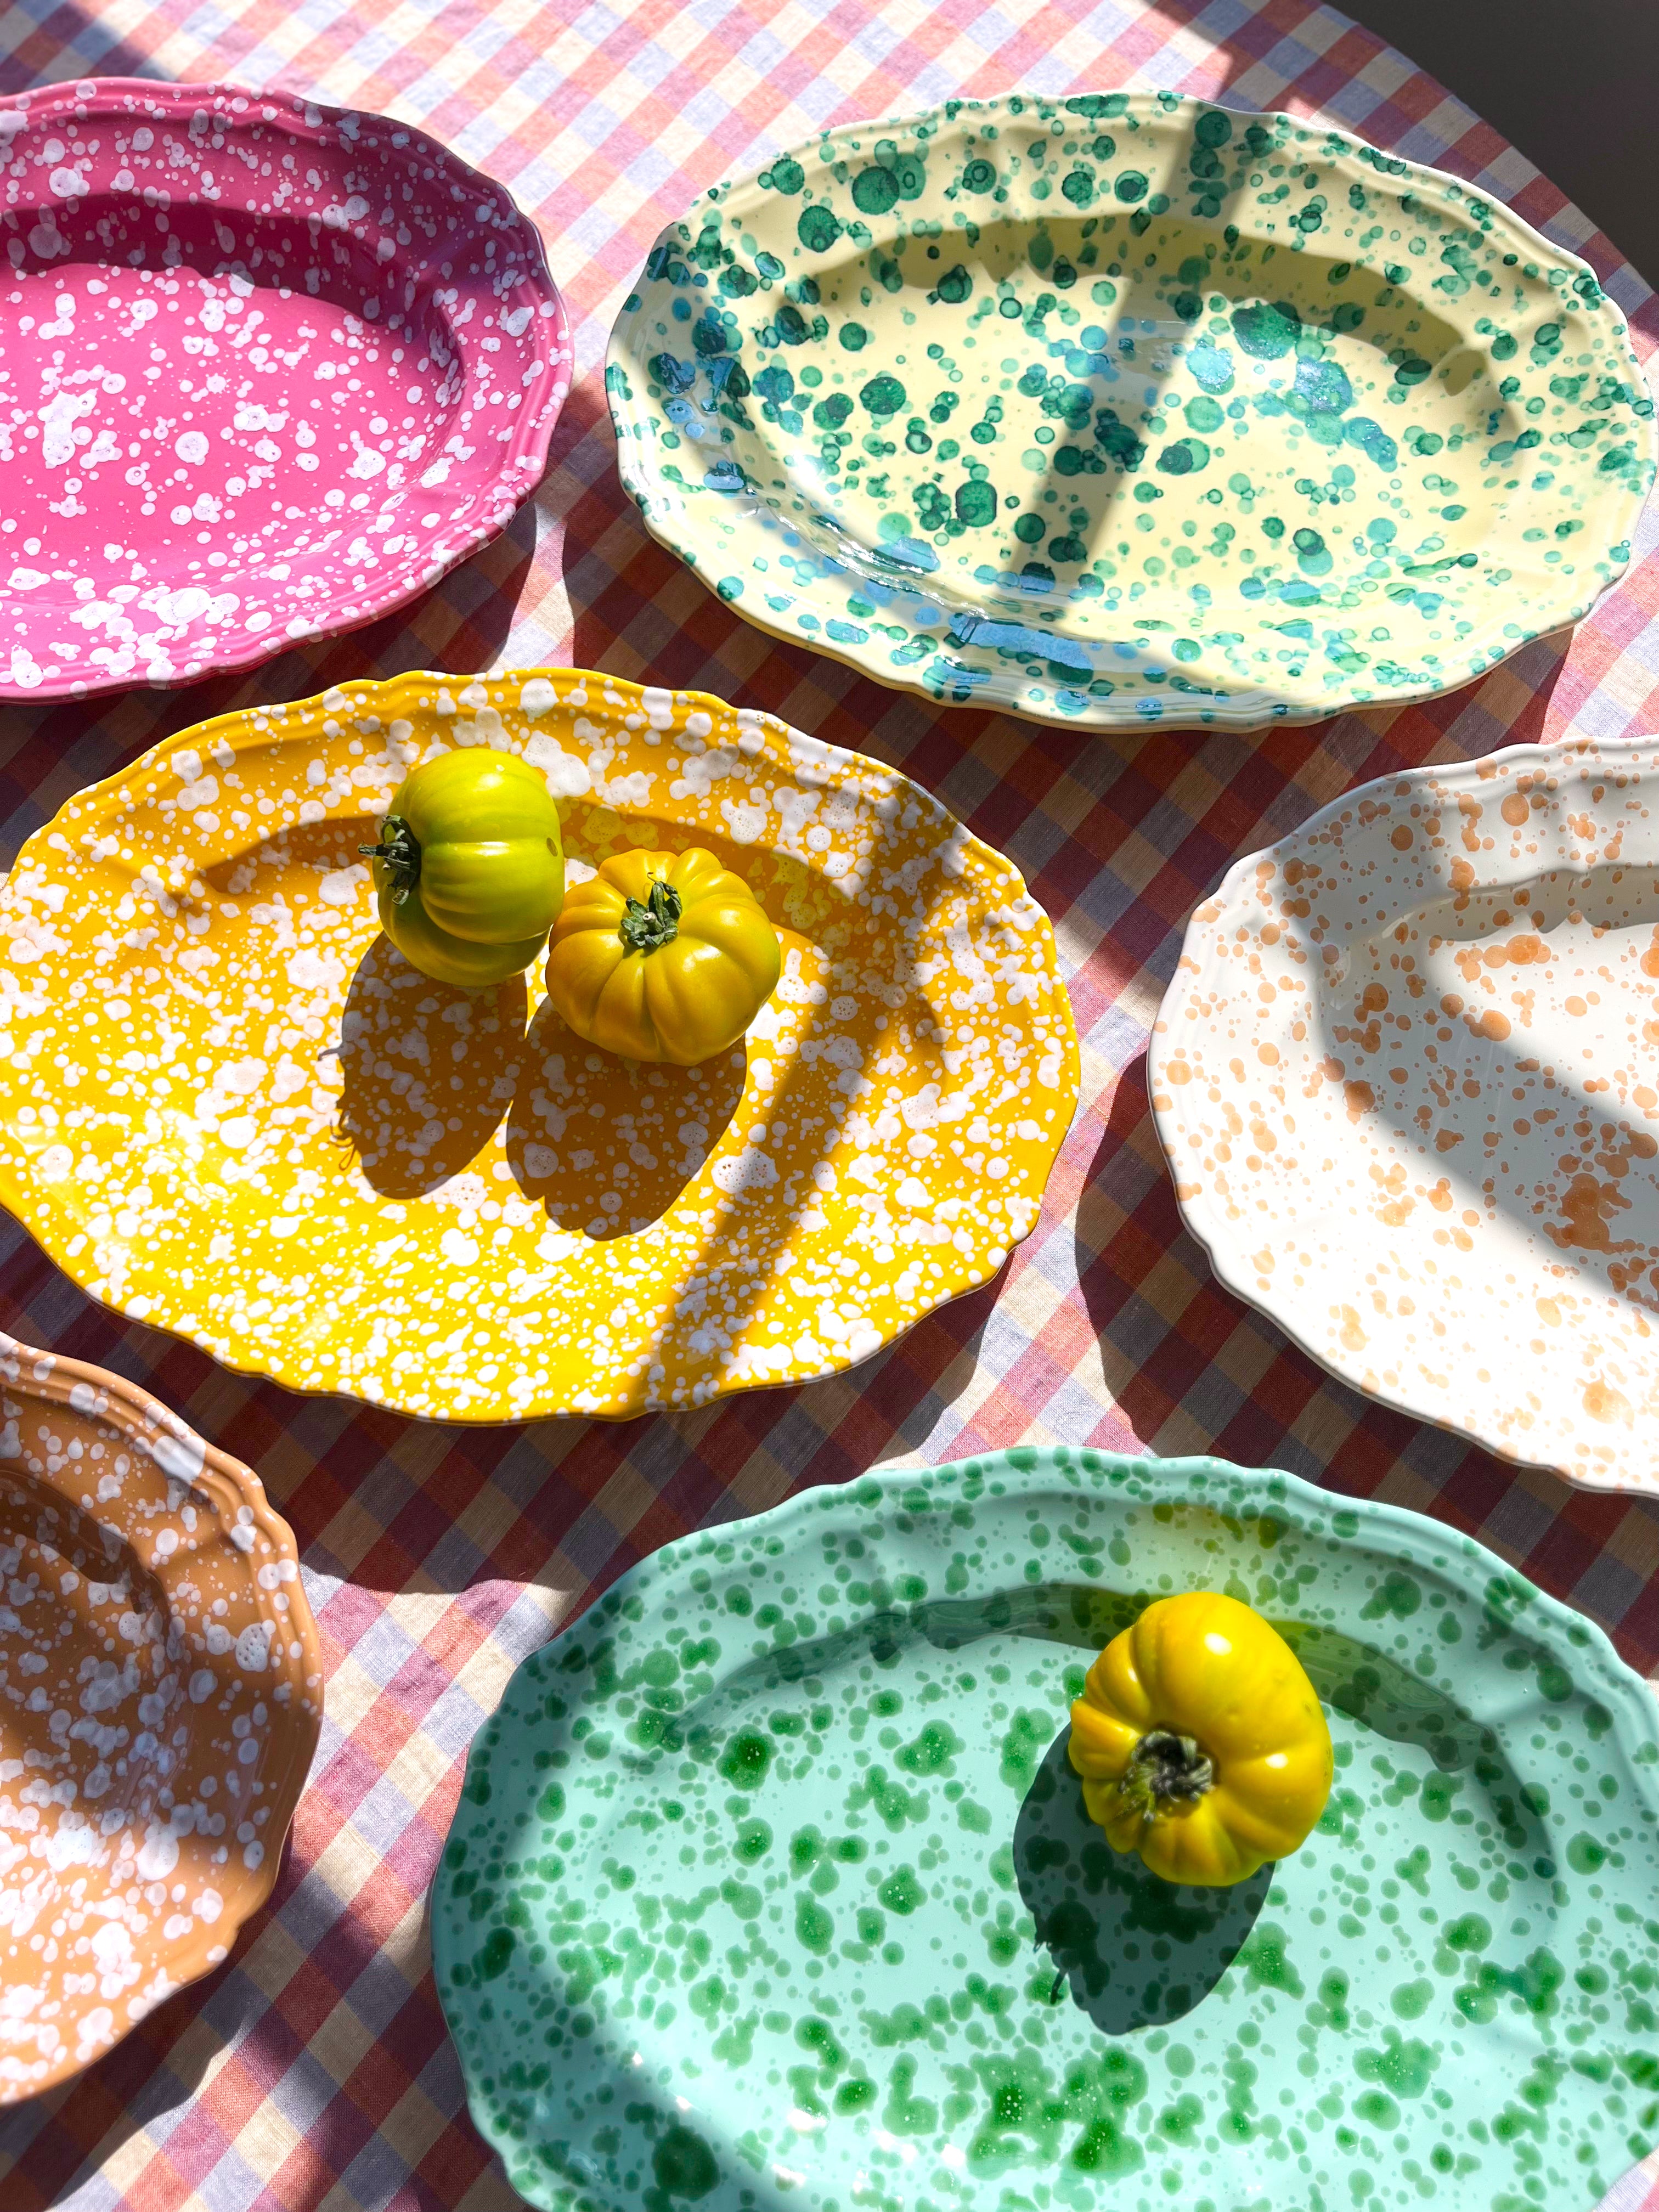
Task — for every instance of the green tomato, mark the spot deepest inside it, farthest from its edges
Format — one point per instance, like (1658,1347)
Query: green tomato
(469,872)
(449,959)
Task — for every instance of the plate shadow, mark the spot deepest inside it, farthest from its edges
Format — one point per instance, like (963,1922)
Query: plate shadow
(1135,1951)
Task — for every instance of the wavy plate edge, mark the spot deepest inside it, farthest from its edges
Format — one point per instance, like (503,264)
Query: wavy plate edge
(375,692)
(1412,1539)
(650,500)
(51,1379)
(1198,1216)
(523,462)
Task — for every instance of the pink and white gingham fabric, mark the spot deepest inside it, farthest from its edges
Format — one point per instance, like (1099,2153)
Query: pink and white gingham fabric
(312,2073)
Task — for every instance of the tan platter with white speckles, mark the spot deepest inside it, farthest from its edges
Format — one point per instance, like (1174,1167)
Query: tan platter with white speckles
(1407,1079)
(161,1697)
(229,1108)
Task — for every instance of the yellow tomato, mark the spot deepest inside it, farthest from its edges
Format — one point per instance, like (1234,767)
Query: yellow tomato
(1202,1742)
(662,956)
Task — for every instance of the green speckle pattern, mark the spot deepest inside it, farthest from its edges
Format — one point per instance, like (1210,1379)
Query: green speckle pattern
(835,1932)
(1126,407)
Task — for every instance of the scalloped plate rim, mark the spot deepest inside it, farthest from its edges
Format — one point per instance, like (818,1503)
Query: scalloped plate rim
(1223,1254)
(384,688)
(408,577)
(129,1409)
(1102,716)
(1411,1536)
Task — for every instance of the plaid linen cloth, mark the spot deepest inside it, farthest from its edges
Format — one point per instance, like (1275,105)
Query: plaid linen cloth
(311,2072)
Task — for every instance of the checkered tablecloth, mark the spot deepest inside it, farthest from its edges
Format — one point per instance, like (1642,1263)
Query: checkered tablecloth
(313,2070)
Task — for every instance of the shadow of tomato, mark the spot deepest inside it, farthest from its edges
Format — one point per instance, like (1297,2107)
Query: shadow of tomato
(1133,1950)
(607,1145)
(428,1071)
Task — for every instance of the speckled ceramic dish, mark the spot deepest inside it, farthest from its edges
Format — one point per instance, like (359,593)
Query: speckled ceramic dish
(1406,1080)
(160,1695)
(770,1883)
(1126,406)
(267,370)
(228,1107)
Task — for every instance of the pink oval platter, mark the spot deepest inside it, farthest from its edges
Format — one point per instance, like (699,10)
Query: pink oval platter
(267,370)
(160,1696)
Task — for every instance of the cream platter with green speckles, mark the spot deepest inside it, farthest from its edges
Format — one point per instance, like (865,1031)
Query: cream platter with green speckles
(770,1887)
(1128,407)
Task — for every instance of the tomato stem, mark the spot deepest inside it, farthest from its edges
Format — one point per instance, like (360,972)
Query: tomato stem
(399,855)
(1165,1769)
(646,928)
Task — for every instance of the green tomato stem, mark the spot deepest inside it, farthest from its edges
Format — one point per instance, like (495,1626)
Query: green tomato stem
(400,855)
(648,928)
(1165,1768)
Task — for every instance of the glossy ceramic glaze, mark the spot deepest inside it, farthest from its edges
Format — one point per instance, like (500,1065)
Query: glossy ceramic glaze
(160,1696)
(770,1884)
(1405,1077)
(267,370)
(1125,406)
(228,1107)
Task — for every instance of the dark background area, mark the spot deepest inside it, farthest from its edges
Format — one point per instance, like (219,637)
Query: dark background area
(1572,83)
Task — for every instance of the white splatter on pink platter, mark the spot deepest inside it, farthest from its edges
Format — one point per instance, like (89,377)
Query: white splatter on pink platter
(267,370)
(1407,1077)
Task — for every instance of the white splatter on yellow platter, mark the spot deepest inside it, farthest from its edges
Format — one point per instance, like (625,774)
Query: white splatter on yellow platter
(1408,1080)
(228,1108)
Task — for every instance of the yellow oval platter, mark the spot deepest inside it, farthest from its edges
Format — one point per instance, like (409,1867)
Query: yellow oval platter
(228,1108)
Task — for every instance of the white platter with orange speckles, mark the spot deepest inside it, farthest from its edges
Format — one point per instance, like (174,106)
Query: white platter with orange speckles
(1407,1078)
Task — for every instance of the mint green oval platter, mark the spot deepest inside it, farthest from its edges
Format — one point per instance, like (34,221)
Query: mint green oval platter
(1127,406)
(770,1889)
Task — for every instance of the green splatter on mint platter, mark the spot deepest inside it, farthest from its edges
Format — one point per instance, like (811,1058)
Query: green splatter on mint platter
(1127,406)
(770,1885)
